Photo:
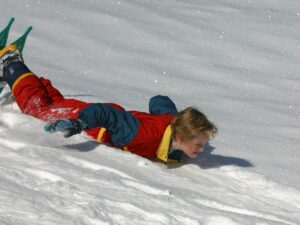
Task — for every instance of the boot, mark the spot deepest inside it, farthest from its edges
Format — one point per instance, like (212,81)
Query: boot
(11,65)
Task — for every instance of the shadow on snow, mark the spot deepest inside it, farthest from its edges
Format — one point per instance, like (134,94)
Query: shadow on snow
(208,160)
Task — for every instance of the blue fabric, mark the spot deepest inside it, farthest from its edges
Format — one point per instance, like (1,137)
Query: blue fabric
(14,70)
(175,155)
(59,125)
(121,125)
(162,105)
(68,127)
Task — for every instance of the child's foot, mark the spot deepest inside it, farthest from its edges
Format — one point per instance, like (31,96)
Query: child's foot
(8,55)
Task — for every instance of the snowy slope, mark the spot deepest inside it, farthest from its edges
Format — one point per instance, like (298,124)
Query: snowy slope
(238,61)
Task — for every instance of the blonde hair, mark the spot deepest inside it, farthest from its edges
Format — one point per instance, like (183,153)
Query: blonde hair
(189,122)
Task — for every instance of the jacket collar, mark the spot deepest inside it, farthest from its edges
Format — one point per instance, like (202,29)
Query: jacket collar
(163,152)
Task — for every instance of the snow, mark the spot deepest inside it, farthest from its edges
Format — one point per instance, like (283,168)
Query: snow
(237,61)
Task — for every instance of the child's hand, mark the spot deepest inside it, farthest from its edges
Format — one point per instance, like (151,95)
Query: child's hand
(68,127)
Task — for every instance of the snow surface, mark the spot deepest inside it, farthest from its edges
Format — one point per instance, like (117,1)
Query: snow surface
(237,61)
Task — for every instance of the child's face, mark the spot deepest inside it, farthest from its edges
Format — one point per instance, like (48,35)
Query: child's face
(194,146)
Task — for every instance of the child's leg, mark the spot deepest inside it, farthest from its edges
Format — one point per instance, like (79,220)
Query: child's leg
(31,95)
(37,97)
(64,108)
(52,92)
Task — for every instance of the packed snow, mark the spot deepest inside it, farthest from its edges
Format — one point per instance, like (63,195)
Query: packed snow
(237,61)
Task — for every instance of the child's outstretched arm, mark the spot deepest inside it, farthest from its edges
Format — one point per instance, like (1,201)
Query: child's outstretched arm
(121,125)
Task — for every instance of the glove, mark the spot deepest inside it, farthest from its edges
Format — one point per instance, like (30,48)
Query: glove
(68,127)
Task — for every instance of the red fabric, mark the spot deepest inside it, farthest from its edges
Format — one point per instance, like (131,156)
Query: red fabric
(38,98)
(150,133)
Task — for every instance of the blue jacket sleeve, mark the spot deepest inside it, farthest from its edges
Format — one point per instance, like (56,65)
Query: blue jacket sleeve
(162,104)
(121,125)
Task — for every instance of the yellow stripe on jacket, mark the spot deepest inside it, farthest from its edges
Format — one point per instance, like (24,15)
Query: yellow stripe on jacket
(101,134)
(164,146)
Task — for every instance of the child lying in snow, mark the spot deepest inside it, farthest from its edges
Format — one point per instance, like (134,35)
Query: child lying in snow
(163,133)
